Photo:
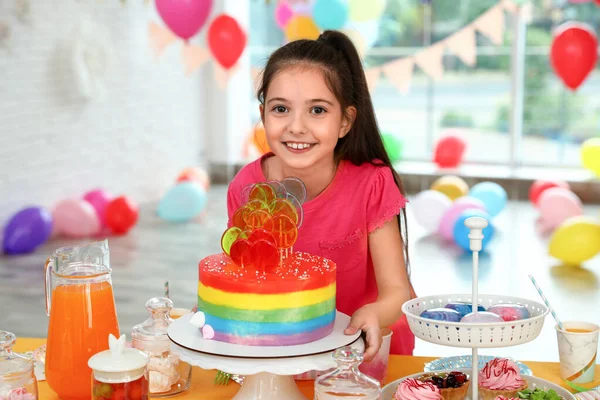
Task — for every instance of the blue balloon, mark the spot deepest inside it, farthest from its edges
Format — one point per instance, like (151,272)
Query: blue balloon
(26,230)
(492,195)
(330,14)
(461,232)
(182,202)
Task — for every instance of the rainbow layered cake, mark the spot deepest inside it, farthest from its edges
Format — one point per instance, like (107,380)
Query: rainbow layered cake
(259,291)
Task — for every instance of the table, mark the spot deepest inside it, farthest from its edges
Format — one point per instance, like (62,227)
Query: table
(202,381)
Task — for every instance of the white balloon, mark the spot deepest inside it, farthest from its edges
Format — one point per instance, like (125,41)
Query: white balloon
(429,207)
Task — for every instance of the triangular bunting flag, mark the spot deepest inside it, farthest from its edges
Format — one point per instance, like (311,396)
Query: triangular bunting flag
(399,72)
(463,45)
(491,24)
(160,38)
(223,75)
(510,6)
(430,61)
(193,58)
(372,75)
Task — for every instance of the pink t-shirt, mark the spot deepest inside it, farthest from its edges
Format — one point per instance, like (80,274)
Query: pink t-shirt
(336,225)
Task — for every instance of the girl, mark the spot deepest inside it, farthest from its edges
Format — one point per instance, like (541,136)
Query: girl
(320,125)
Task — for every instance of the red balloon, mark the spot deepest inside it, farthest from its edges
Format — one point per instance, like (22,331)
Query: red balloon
(597,2)
(449,151)
(226,40)
(538,187)
(574,53)
(121,215)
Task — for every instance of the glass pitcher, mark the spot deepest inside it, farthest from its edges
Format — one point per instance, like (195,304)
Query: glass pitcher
(81,306)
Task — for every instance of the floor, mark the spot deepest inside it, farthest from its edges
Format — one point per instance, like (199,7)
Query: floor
(156,251)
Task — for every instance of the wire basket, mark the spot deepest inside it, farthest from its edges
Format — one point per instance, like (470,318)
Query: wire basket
(470,335)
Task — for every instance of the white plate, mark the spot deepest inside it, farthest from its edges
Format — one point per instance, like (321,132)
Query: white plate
(188,336)
(533,382)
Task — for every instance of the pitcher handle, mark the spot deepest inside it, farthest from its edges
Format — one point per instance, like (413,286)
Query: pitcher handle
(48,287)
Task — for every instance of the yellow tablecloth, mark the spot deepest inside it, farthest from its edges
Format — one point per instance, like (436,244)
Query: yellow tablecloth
(203,388)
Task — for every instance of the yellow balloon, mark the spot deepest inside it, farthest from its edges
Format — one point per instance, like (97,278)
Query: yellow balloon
(301,27)
(590,155)
(365,10)
(452,186)
(576,240)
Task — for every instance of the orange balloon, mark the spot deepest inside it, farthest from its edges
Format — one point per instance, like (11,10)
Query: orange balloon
(301,27)
(259,140)
(196,175)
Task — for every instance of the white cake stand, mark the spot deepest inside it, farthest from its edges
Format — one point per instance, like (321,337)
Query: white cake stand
(268,370)
(474,335)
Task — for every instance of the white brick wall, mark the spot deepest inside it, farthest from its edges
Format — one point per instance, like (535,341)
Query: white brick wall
(53,145)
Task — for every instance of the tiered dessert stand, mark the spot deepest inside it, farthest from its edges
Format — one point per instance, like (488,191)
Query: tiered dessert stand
(268,370)
(474,335)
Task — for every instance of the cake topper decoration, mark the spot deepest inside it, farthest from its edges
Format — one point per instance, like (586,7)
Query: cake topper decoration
(265,227)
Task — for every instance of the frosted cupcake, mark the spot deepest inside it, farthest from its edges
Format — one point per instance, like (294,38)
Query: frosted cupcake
(500,378)
(412,389)
(452,385)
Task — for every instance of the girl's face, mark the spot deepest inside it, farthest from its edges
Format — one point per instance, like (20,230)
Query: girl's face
(303,120)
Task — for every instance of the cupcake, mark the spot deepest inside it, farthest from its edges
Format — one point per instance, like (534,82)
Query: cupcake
(500,378)
(413,389)
(452,385)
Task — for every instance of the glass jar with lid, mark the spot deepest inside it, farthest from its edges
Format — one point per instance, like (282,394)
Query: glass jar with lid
(346,381)
(167,374)
(119,372)
(17,379)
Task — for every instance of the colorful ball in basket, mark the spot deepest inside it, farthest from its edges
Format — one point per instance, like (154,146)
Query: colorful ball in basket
(556,206)
(182,202)
(576,240)
(461,232)
(429,207)
(452,186)
(492,195)
(446,226)
(538,187)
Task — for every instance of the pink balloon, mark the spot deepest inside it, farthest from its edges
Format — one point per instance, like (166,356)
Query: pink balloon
(283,14)
(184,17)
(461,204)
(75,218)
(99,199)
(556,205)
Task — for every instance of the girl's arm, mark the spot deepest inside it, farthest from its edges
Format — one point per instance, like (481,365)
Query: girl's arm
(385,247)
(387,253)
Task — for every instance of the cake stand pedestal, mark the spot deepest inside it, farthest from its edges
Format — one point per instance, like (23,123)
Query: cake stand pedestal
(474,335)
(268,370)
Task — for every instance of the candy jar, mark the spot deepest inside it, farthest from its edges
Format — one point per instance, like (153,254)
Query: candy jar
(168,375)
(119,372)
(17,380)
(346,381)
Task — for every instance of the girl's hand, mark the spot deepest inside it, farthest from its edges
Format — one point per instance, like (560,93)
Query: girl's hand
(365,319)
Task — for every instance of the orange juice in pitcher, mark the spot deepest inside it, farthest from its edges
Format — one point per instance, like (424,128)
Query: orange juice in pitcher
(81,306)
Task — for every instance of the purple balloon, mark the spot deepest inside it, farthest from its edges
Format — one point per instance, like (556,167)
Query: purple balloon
(26,230)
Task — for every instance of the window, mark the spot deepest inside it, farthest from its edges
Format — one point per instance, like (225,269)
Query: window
(473,102)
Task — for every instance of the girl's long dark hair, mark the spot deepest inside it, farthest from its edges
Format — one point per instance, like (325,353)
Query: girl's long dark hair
(335,54)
